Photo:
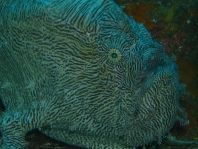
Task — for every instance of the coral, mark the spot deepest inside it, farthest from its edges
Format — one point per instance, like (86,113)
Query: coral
(170,13)
(140,13)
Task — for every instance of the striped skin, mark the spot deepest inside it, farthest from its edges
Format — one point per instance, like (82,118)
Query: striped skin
(83,73)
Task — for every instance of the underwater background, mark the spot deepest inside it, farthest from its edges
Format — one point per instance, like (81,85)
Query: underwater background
(174,25)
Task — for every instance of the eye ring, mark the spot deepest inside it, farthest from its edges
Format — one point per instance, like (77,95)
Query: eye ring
(114,55)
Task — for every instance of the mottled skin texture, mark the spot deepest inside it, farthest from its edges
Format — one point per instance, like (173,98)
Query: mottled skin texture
(84,73)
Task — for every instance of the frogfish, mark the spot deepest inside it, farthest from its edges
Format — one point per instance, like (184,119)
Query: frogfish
(84,73)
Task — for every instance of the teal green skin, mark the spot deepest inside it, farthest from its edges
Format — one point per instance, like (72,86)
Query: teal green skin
(84,73)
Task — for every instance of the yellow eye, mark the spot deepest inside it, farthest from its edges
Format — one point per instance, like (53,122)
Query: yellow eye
(114,55)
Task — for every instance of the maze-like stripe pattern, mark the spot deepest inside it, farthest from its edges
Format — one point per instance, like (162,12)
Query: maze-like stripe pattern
(83,73)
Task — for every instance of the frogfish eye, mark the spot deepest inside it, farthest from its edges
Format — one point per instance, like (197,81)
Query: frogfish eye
(114,55)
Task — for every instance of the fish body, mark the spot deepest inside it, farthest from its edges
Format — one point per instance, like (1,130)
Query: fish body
(84,73)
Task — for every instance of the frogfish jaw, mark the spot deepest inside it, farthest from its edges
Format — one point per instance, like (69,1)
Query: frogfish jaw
(155,101)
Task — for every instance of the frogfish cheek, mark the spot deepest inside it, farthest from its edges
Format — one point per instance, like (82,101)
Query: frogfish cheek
(158,105)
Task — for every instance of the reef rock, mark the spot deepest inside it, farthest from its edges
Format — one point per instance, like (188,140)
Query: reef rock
(84,73)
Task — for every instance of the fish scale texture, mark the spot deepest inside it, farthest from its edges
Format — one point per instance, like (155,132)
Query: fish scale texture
(84,73)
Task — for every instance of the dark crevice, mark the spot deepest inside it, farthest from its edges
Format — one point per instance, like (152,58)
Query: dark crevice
(2,107)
